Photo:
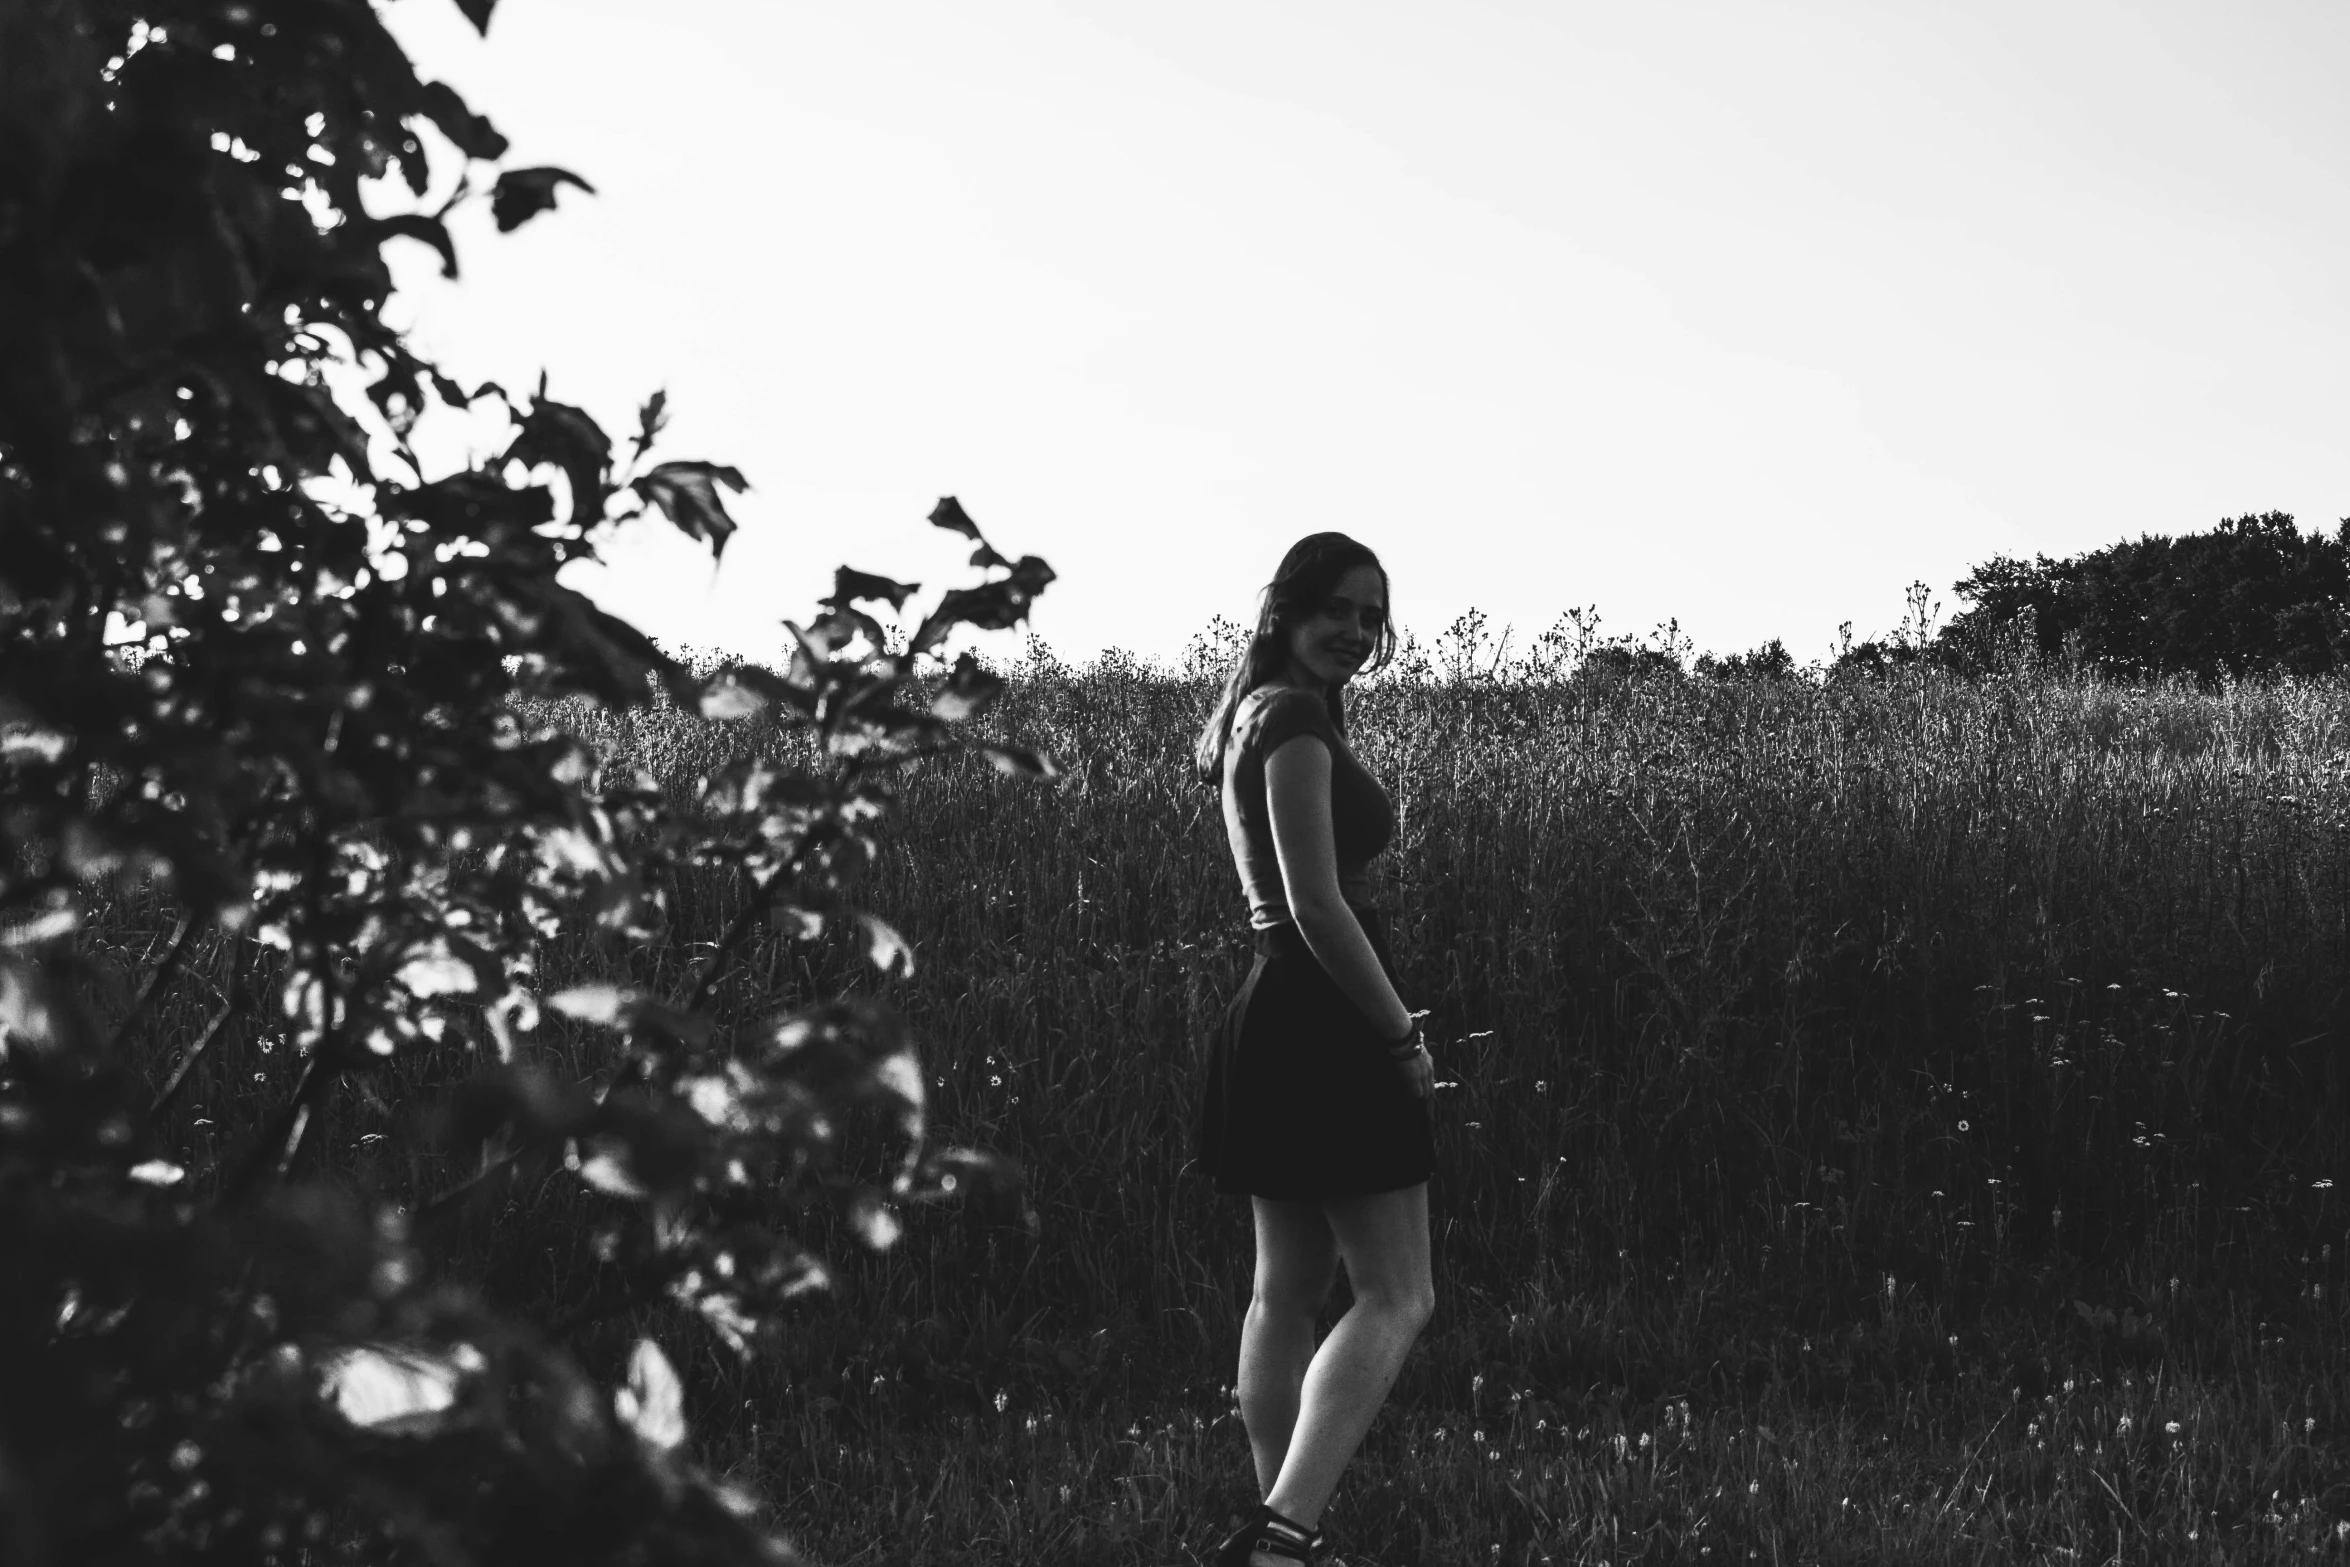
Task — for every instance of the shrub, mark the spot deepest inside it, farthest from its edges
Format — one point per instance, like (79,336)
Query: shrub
(259,662)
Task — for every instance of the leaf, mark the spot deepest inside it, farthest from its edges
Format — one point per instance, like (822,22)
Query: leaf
(970,691)
(874,1220)
(605,1004)
(433,970)
(840,627)
(418,226)
(569,439)
(31,742)
(715,1098)
(33,930)
(885,948)
(652,1402)
(849,585)
(467,131)
(651,420)
(992,606)
(522,194)
(1020,762)
(390,1390)
(898,1076)
(949,514)
(687,493)
(37,1013)
(607,1169)
(614,1006)
(478,13)
(596,651)
(725,697)
(739,690)
(795,923)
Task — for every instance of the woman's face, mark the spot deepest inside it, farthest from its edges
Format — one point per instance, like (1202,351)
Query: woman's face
(1332,641)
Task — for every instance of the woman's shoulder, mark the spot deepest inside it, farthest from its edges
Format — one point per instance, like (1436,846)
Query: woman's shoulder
(1274,712)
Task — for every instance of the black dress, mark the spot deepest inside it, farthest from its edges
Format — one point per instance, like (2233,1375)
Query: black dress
(1301,1100)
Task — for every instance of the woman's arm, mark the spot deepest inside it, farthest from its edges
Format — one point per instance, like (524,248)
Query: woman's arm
(1297,798)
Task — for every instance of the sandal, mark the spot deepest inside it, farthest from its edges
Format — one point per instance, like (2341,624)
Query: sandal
(1273,1535)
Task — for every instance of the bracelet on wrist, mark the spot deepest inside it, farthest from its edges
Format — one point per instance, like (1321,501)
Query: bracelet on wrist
(1407,1047)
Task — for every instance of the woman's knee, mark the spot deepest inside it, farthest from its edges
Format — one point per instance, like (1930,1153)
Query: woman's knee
(1297,1258)
(1410,1303)
(1292,1293)
(1385,1242)
(1419,1306)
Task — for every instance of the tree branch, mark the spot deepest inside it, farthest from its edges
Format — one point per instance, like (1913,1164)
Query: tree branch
(196,1053)
(155,978)
(738,929)
(713,968)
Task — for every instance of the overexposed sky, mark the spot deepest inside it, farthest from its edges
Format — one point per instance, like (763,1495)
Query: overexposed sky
(1747,314)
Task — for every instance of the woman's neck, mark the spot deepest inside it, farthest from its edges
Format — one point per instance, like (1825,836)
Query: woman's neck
(1299,678)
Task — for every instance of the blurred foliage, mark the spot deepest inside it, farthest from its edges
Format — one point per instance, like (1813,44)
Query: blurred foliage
(258,658)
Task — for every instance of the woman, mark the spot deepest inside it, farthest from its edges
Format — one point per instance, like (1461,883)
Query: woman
(1318,1081)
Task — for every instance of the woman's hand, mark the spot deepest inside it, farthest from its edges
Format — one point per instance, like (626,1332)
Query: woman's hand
(1419,1072)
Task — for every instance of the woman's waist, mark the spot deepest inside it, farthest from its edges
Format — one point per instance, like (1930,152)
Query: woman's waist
(1268,896)
(1283,935)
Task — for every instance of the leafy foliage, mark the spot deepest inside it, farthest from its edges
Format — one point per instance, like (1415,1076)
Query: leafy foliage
(1771,661)
(255,654)
(2252,596)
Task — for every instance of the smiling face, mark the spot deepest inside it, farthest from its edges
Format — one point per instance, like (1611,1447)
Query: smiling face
(1331,641)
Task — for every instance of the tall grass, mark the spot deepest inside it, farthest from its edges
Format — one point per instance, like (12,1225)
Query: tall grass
(1934,976)
(1808,1043)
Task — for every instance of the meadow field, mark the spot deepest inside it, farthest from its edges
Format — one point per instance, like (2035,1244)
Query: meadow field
(1897,1119)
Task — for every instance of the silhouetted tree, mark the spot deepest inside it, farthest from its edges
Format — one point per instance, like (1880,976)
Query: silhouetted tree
(2255,595)
(1771,661)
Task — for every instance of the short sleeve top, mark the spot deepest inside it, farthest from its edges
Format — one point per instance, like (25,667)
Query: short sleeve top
(1362,820)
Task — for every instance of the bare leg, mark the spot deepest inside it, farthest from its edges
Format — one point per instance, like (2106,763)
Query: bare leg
(1297,1262)
(1384,1239)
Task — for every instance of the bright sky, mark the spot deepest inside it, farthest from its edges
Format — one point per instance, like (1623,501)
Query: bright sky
(1747,314)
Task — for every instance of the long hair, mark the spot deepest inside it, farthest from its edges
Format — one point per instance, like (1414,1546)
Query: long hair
(1307,576)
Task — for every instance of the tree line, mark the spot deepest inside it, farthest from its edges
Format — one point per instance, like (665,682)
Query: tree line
(2253,597)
